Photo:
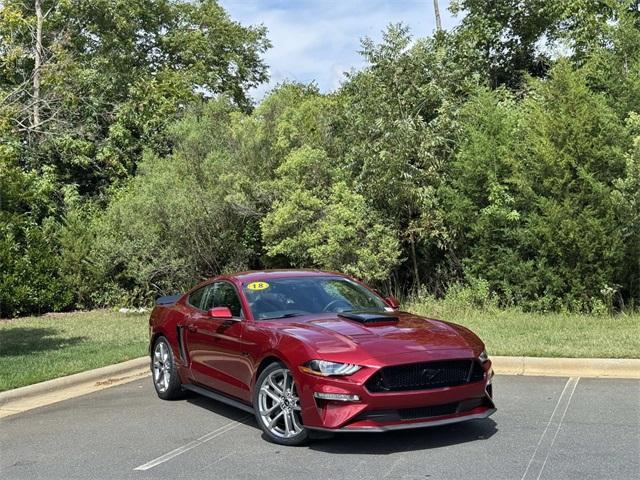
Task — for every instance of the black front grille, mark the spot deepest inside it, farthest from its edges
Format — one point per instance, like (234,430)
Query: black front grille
(425,376)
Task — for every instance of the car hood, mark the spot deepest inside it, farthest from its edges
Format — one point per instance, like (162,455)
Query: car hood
(332,335)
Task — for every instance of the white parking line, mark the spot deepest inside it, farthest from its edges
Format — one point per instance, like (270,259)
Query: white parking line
(564,400)
(193,444)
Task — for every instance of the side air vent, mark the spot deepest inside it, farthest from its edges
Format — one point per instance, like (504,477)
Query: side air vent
(181,347)
(368,317)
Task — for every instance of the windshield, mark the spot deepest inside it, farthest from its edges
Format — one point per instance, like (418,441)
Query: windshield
(289,297)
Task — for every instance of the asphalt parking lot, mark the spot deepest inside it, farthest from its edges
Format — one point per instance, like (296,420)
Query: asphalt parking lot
(545,428)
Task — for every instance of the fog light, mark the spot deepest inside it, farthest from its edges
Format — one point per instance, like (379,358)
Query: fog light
(338,397)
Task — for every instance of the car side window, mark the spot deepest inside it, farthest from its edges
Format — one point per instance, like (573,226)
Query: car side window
(224,295)
(208,302)
(200,298)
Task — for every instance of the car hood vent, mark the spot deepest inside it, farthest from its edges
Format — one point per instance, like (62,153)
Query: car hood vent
(369,317)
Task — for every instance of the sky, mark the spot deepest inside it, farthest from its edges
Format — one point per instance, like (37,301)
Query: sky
(318,40)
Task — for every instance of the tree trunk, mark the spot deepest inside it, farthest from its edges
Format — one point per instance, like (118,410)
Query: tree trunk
(414,261)
(436,9)
(38,64)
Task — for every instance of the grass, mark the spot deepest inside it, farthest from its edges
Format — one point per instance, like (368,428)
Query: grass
(34,349)
(515,333)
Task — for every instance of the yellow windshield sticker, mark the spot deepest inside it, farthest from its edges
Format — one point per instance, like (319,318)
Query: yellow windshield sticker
(258,286)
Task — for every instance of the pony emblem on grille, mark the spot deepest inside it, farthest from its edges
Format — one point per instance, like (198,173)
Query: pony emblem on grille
(429,374)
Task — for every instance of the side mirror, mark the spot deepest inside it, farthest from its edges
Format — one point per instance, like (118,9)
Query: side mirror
(392,302)
(220,312)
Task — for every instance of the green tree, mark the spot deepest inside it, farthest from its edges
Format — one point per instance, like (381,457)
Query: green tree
(85,88)
(175,222)
(627,286)
(399,119)
(613,65)
(503,154)
(505,40)
(113,76)
(481,196)
(29,250)
(317,220)
(573,149)
(534,193)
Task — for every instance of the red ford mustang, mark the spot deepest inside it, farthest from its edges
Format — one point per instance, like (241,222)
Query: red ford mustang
(310,350)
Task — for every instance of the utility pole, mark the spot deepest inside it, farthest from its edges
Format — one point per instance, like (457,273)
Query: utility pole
(37,65)
(436,9)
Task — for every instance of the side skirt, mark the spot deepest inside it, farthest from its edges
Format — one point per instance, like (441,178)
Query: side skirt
(220,397)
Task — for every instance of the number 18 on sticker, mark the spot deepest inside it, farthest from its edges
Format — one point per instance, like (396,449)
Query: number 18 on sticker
(258,286)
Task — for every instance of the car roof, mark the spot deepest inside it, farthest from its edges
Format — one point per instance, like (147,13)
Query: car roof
(257,275)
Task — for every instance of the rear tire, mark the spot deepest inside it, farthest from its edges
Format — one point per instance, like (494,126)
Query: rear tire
(277,406)
(164,371)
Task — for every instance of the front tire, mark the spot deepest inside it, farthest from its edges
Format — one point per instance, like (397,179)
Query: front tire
(164,371)
(277,406)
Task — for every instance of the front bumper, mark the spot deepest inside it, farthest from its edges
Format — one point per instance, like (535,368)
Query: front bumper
(435,422)
(378,412)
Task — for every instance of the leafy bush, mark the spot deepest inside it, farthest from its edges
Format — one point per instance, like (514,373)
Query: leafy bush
(30,278)
(533,195)
(177,221)
(318,221)
(484,176)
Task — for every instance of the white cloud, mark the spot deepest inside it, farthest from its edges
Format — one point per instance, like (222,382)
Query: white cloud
(318,40)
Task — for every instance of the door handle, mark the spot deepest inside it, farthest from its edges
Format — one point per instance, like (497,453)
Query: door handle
(192,328)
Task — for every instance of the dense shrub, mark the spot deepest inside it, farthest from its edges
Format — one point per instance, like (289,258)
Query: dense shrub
(534,197)
(30,279)
(177,221)
(469,165)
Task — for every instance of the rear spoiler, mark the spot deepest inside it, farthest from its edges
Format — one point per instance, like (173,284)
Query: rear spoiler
(168,300)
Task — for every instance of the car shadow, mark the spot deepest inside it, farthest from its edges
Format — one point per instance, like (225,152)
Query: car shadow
(385,443)
(219,408)
(25,340)
(382,443)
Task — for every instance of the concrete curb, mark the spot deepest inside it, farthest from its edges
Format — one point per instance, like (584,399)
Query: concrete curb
(52,391)
(567,367)
(124,369)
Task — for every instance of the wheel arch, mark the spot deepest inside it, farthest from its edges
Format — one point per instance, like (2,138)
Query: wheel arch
(267,360)
(152,341)
(161,333)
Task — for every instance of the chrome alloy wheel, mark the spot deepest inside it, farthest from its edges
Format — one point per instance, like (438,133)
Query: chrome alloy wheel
(279,405)
(161,366)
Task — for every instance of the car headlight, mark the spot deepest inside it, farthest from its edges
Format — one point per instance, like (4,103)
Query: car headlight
(326,368)
(483,356)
